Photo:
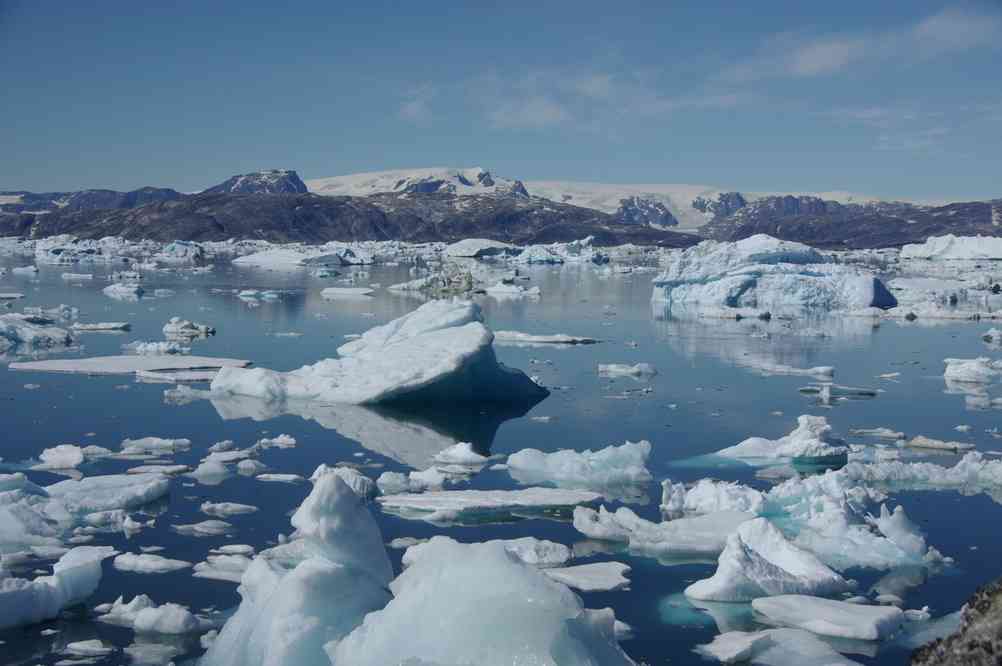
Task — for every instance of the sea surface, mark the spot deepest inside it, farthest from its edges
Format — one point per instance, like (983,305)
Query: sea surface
(707,394)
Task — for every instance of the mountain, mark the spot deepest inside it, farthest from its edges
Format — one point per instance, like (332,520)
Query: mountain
(17,202)
(272,181)
(411,217)
(831,224)
(462,182)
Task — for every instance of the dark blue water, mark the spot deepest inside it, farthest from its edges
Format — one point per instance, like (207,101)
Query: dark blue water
(706,396)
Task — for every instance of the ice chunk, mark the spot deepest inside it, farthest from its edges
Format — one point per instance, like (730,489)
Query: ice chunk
(593,577)
(102,327)
(811,441)
(759,561)
(773,647)
(363,486)
(288,613)
(478,247)
(124,291)
(182,329)
(225,509)
(973,473)
(615,471)
(828,617)
(439,352)
(519,339)
(148,563)
(461,453)
(621,370)
(74,577)
(465,604)
(144,616)
(63,456)
(923,442)
(950,247)
(30,333)
(482,505)
(91,648)
(206,528)
(699,536)
(709,496)
(981,370)
(119,365)
(332,293)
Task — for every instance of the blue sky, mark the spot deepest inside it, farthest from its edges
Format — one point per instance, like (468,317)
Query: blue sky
(894,99)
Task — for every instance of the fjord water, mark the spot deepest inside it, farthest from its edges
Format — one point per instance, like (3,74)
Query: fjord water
(708,394)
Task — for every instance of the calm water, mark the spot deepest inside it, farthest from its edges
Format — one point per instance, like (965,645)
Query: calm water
(706,396)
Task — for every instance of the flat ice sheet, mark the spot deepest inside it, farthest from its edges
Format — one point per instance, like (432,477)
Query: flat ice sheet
(122,365)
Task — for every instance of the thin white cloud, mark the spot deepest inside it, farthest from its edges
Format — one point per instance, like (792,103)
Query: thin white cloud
(416,107)
(792,55)
(534,112)
(914,140)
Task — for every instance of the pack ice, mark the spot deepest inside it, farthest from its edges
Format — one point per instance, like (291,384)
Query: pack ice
(440,352)
(762,274)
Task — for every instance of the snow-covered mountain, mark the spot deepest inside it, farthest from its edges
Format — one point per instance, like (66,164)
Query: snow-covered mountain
(420,181)
(271,181)
(657,205)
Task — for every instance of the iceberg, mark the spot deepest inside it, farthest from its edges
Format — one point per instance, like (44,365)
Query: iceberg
(773,647)
(466,604)
(950,247)
(148,563)
(827,617)
(696,536)
(74,577)
(811,442)
(30,333)
(709,496)
(519,339)
(622,370)
(761,274)
(440,352)
(292,607)
(981,370)
(124,291)
(615,471)
(759,561)
(145,616)
(182,329)
(592,577)
(478,248)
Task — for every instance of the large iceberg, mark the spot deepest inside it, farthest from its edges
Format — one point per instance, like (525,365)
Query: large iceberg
(954,247)
(761,274)
(828,617)
(440,352)
(31,333)
(478,604)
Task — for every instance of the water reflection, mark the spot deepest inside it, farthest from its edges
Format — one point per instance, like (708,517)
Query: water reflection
(411,434)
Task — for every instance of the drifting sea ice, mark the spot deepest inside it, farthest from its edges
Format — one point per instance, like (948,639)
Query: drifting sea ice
(615,471)
(621,370)
(759,561)
(539,553)
(148,563)
(30,333)
(465,603)
(122,291)
(182,329)
(592,577)
(773,647)
(440,351)
(981,370)
(698,536)
(709,496)
(519,339)
(828,617)
(811,441)
(74,577)
(145,616)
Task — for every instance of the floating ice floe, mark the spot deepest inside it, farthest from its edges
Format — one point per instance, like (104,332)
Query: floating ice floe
(144,616)
(761,274)
(812,442)
(973,473)
(11,296)
(923,442)
(519,339)
(333,293)
(130,364)
(483,505)
(226,509)
(301,256)
(440,352)
(709,496)
(622,370)
(698,536)
(156,348)
(828,617)
(101,327)
(77,277)
(773,647)
(453,599)
(74,577)
(148,563)
(981,370)
(124,291)
(206,528)
(759,561)
(592,577)
(182,329)
(362,485)
(30,333)
(615,471)
(529,550)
